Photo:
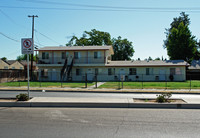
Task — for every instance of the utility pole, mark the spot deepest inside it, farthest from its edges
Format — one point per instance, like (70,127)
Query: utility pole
(33,16)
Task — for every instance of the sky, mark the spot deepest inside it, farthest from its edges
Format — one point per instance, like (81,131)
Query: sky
(142,22)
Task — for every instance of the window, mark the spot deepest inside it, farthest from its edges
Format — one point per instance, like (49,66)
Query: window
(96,71)
(13,67)
(172,71)
(78,72)
(132,71)
(63,55)
(45,55)
(178,71)
(21,67)
(44,72)
(149,71)
(5,67)
(97,54)
(111,71)
(76,55)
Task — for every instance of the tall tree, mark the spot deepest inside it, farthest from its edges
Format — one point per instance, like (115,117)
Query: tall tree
(123,49)
(180,43)
(93,37)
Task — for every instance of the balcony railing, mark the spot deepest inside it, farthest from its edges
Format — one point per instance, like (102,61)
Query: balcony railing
(81,60)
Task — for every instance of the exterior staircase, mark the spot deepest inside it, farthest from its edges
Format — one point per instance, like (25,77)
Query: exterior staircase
(66,70)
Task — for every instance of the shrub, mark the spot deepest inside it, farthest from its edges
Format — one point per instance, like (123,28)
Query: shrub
(22,97)
(163,97)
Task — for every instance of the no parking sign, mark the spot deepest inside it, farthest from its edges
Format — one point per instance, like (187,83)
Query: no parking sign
(27,45)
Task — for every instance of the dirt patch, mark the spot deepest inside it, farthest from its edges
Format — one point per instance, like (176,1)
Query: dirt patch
(154,101)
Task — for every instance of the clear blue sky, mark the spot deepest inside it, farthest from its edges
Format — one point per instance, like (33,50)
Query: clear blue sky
(141,21)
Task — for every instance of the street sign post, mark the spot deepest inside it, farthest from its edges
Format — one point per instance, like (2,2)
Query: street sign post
(27,48)
(27,45)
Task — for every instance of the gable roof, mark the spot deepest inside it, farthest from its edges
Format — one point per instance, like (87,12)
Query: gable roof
(152,63)
(74,48)
(195,64)
(4,61)
(10,62)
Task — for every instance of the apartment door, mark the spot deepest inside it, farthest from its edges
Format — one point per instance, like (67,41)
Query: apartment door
(54,75)
(162,75)
(89,74)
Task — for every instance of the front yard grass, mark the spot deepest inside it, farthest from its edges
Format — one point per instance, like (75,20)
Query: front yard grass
(152,85)
(47,84)
(111,85)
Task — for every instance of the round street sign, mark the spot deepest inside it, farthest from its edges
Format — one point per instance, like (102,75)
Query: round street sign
(27,43)
(27,46)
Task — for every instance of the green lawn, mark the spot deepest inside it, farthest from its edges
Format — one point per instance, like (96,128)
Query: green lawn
(153,85)
(47,84)
(111,85)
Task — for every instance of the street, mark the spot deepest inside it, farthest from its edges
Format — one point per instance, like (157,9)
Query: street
(93,122)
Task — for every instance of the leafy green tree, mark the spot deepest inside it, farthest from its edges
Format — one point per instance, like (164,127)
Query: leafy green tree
(123,49)
(180,43)
(24,57)
(93,37)
(150,58)
(4,58)
(157,58)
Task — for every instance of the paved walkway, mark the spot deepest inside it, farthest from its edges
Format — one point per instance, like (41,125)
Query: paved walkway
(98,84)
(191,99)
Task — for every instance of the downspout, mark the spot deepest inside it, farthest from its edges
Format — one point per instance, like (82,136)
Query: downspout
(104,57)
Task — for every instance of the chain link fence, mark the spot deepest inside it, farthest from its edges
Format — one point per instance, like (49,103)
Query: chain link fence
(110,81)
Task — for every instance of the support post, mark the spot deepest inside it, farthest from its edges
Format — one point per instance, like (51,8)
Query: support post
(85,80)
(190,82)
(33,16)
(28,75)
(165,81)
(142,81)
(96,81)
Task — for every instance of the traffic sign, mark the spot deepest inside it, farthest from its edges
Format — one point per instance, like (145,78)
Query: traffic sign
(27,46)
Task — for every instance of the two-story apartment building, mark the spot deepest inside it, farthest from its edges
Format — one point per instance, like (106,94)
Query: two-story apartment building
(72,62)
(76,63)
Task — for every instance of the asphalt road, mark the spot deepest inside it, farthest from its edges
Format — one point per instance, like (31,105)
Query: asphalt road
(98,123)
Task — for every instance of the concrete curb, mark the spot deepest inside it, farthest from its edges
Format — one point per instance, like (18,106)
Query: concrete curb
(123,91)
(100,105)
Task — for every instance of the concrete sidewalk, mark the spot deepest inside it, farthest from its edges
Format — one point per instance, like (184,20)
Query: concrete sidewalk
(191,97)
(97,103)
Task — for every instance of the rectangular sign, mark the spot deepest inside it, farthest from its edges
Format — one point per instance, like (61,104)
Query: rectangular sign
(27,46)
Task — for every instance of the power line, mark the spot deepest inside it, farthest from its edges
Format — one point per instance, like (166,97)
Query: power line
(10,19)
(110,7)
(139,9)
(47,37)
(68,9)
(9,37)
